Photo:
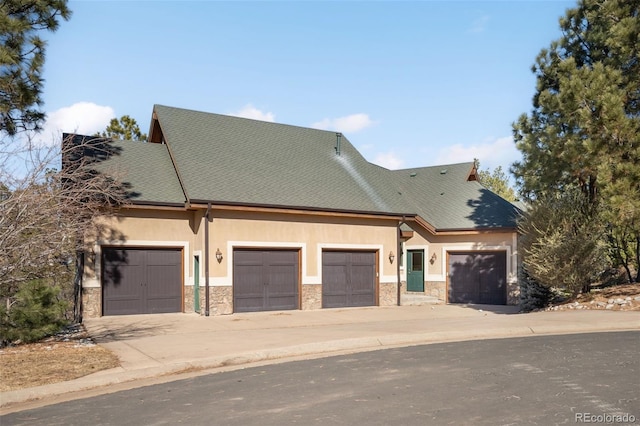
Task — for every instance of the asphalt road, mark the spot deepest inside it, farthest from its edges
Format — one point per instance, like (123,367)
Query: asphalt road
(570,379)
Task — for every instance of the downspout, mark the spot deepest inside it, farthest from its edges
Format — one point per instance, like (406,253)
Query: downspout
(206,260)
(77,287)
(399,252)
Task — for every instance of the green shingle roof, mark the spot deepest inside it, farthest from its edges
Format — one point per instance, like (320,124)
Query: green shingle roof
(223,159)
(237,160)
(146,171)
(443,196)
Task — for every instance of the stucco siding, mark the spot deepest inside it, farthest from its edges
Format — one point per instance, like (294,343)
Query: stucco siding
(436,248)
(310,234)
(139,228)
(229,230)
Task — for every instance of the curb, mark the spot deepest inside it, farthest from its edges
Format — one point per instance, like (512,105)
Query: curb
(106,378)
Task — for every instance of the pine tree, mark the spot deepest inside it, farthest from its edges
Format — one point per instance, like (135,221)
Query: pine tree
(22,54)
(584,129)
(562,242)
(37,311)
(126,128)
(532,294)
(497,182)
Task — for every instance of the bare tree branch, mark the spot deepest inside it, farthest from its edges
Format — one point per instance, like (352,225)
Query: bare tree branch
(48,206)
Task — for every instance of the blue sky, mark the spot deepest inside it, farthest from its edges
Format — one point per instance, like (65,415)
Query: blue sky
(409,83)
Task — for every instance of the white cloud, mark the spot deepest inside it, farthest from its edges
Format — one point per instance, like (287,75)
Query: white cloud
(492,153)
(348,124)
(85,118)
(388,160)
(249,111)
(479,25)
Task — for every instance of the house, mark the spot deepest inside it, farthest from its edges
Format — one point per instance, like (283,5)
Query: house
(229,215)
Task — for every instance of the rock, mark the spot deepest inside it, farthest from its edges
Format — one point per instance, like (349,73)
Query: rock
(610,301)
(609,306)
(637,298)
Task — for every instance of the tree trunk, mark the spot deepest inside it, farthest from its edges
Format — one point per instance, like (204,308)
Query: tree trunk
(637,258)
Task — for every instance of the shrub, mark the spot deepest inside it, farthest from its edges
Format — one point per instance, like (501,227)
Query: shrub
(532,294)
(562,242)
(36,312)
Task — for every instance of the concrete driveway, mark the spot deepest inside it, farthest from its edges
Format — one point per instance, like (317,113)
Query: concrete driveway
(165,344)
(190,340)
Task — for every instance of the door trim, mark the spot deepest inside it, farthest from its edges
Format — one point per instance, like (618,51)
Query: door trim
(99,261)
(298,252)
(227,279)
(410,262)
(377,254)
(96,281)
(196,282)
(500,250)
(479,248)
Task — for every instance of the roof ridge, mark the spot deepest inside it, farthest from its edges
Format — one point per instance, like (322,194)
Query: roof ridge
(250,119)
(433,166)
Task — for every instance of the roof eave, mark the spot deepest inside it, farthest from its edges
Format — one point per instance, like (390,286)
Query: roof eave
(468,231)
(160,133)
(460,231)
(156,204)
(229,205)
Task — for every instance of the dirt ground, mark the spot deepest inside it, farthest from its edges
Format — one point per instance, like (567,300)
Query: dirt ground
(72,354)
(616,298)
(59,358)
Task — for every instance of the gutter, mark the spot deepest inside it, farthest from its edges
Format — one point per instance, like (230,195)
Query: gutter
(157,205)
(399,255)
(460,231)
(296,210)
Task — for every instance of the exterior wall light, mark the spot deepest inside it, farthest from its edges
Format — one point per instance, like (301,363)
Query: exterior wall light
(391,256)
(433,258)
(219,256)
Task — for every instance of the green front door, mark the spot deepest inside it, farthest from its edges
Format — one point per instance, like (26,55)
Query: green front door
(196,283)
(415,270)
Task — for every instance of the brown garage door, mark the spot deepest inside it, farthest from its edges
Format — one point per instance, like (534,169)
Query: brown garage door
(348,279)
(478,277)
(141,281)
(265,280)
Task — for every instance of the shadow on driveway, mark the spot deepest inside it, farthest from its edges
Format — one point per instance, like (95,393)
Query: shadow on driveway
(496,309)
(113,329)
